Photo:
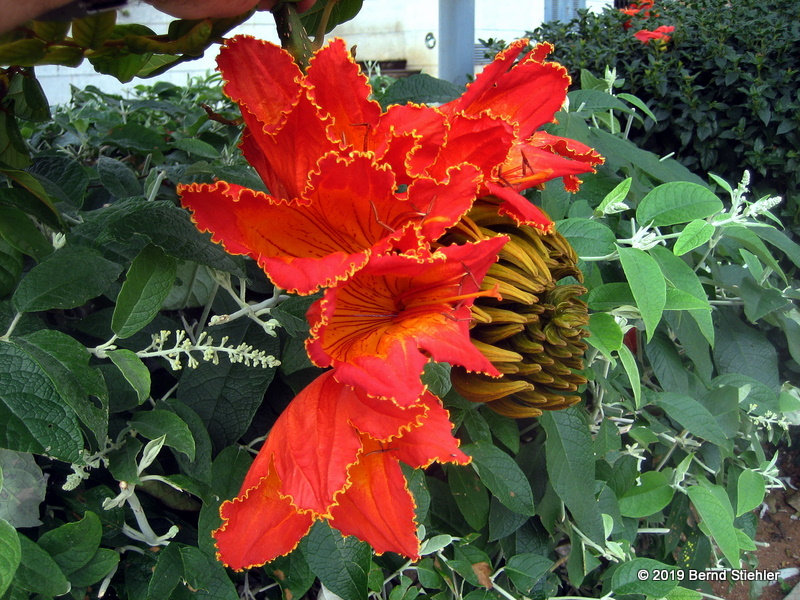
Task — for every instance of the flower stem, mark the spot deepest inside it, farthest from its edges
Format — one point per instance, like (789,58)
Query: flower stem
(293,35)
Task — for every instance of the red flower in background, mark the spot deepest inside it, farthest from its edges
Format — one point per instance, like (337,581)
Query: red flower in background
(659,34)
(334,454)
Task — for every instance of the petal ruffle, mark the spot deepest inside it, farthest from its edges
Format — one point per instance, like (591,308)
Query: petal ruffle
(377,507)
(259,526)
(380,326)
(337,85)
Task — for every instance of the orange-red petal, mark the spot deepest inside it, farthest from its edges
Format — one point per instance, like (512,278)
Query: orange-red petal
(377,507)
(380,326)
(337,85)
(259,526)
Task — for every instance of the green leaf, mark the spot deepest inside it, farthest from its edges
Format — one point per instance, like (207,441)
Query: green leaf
(152,424)
(100,565)
(147,285)
(167,573)
(342,11)
(13,150)
(637,577)
(693,416)
(498,472)
(694,235)
(22,53)
(38,572)
(10,268)
(63,178)
(206,574)
(615,196)
(682,277)
(587,236)
(647,284)
(341,563)
(606,334)
(66,363)
(17,229)
(437,377)
(170,228)
(759,300)
(470,495)
(33,416)
(420,88)
(23,489)
(608,296)
(719,520)
(677,202)
(226,396)
(92,31)
(292,573)
(570,465)
(750,490)
(66,279)
(196,147)
(647,498)
(118,178)
(526,569)
(30,204)
(638,104)
(746,351)
(502,521)
(10,554)
(73,545)
(134,371)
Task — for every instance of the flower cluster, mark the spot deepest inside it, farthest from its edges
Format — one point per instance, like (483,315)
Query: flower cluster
(366,205)
(644,10)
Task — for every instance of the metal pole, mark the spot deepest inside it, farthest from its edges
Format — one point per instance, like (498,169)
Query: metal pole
(456,40)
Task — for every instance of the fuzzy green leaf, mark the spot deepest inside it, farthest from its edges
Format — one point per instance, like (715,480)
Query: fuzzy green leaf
(719,519)
(147,285)
(341,563)
(647,284)
(155,423)
(677,202)
(653,494)
(498,472)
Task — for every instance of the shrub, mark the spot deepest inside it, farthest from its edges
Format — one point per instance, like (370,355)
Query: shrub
(723,91)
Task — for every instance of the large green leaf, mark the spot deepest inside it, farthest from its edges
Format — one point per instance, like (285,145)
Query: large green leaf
(638,577)
(10,554)
(498,472)
(589,237)
(38,572)
(750,490)
(23,489)
(118,178)
(147,285)
(33,416)
(10,267)
(152,424)
(647,284)
(744,350)
(66,279)
(227,395)
(73,545)
(693,416)
(718,517)
(647,498)
(470,494)
(570,465)
(420,88)
(677,202)
(66,363)
(341,563)
(62,177)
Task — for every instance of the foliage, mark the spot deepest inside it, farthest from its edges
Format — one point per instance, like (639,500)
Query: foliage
(142,432)
(722,91)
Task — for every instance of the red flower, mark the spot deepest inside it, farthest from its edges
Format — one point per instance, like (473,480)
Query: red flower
(527,94)
(334,454)
(381,327)
(659,34)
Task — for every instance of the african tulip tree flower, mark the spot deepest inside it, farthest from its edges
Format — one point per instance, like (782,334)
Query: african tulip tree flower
(334,454)
(659,34)
(334,162)
(381,327)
